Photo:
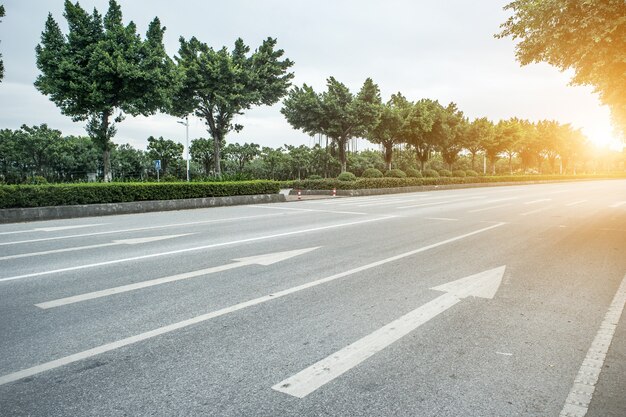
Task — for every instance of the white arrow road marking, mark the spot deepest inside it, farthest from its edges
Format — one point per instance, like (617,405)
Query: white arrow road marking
(197,248)
(15,376)
(52,229)
(579,398)
(264,260)
(484,284)
(101,245)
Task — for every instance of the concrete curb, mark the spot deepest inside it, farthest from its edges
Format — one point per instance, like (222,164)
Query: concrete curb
(67,212)
(418,188)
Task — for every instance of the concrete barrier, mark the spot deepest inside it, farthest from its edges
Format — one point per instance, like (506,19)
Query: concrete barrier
(66,212)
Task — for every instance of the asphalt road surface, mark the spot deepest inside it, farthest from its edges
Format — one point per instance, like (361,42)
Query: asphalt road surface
(498,301)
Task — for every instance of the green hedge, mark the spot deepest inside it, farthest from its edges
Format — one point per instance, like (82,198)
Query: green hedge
(12,196)
(365,183)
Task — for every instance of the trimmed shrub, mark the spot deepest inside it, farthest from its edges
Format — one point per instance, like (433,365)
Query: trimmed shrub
(445,173)
(314,177)
(413,173)
(471,173)
(459,173)
(13,196)
(346,176)
(372,173)
(395,173)
(430,173)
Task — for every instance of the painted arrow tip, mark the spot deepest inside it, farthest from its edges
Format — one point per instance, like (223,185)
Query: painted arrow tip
(139,240)
(272,258)
(484,284)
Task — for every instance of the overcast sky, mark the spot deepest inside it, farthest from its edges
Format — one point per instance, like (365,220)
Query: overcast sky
(443,50)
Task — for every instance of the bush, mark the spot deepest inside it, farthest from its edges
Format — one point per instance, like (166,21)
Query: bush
(445,173)
(430,173)
(372,173)
(314,177)
(12,196)
(471,173)
(413,173)
(395,173)
(459,173)
(346,176)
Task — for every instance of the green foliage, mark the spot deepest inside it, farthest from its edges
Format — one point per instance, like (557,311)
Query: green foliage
(395,173)
(217,85)
(165,150)
(445,173)
(413,173)
(388,129)
(12,196)
(430,173)
(372,173)
(459,173)
(346,176)
(314,177)
(586,36)
(336,113)
(103,69)
(471,173)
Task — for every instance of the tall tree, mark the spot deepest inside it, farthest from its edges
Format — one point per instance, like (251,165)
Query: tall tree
(102,70)
(418,129)
(166,150)
(336,113)
(453,129)
(242,154)
(473,141)
(201,151)
(509,135)
(388,130)
(218,85)
(586,36)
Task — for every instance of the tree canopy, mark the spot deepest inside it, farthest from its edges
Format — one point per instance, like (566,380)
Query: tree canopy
(586,36)
(103,69)
(217,85)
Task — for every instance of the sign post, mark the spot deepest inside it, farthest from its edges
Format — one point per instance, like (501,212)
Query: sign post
(157,167)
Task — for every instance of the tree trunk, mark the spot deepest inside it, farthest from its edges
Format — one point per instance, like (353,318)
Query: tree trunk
(341,144)
(106,153)
(388,155)
(217,143)
(473,161)
(511,164)
(106,161)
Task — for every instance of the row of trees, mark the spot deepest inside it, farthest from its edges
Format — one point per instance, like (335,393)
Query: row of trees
(427,127)
(39,153)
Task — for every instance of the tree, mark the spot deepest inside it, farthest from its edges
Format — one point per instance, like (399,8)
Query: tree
(201,151)
(102,70)
(336,113)
(128,162)
(454,127)
(36,143)
(418,129)
(586,36)
(242,154)
(473,141)
(1,61)
(509,135)
(299,158)
(388,130)
(217,85)
(166,150)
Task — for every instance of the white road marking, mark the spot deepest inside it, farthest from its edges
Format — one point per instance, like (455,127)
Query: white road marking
(137,229)
(15,376)
(310,379)
(535,211)
(579,398)
(489,208)
(504,353)
(304,209)
(573,203)
(197,248)
(52,229)
(101,245)
(538,201)
(441,218)
(618,204)
(267,259)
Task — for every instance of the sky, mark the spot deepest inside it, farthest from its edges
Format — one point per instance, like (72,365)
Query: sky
(443,50)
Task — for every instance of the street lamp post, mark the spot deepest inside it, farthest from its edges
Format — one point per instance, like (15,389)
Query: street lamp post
(186,124)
